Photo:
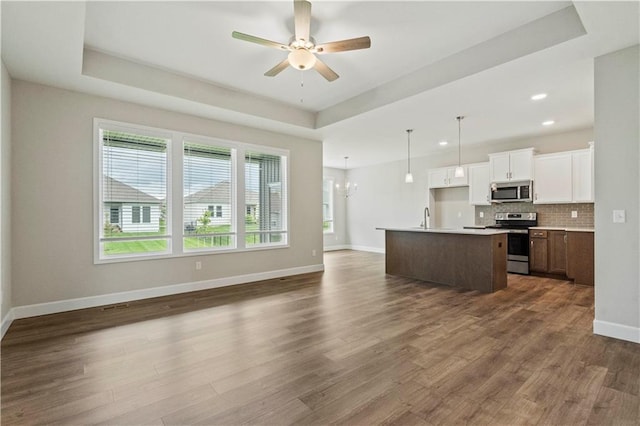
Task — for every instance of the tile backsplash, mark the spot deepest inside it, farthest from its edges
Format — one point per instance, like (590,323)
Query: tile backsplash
(548,214)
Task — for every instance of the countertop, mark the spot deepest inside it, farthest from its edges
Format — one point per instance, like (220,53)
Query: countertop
(563,228)
(449,230)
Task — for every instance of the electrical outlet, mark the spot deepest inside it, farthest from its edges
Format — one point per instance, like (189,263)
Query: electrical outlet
(481,215)
(459,214)
(198,265)
(574,214)
(313,252)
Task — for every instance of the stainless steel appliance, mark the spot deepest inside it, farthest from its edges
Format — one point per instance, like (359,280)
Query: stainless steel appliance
(511,192)
(518,225)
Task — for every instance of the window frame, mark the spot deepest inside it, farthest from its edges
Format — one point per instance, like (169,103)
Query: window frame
(332,203)
(234,150)
(175,191)
(284,170)
(100,124)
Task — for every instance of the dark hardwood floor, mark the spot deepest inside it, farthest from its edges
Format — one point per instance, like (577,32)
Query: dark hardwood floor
(349,346)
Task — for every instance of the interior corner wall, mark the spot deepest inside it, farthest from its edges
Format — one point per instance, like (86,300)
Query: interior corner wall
(337,239)
(53,198)
(617,187)
(5,197)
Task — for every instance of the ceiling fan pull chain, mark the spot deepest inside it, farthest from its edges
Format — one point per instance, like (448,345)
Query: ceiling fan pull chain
(301,87)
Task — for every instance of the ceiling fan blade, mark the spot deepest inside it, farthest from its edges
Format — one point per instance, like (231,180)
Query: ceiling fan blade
(302,19)
(277,69)
(344,45)
(258,40)
(325,71)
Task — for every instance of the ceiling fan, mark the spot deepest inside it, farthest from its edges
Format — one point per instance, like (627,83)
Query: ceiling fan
(302,47)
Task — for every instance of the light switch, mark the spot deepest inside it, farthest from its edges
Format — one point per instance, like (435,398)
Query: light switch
(481,214)
(574,214)
(619,216)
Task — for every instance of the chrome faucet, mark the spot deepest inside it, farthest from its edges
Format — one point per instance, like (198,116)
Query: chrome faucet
(427,215)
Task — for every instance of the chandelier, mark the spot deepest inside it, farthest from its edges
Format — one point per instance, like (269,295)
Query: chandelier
(347,189)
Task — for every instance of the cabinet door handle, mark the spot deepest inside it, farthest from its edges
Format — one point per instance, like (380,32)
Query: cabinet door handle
(531,242)
(565,238)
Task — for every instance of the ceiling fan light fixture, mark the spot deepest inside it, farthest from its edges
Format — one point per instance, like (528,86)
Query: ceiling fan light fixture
(302,59)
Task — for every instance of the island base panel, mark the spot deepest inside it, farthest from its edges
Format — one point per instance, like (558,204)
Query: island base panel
(467,261)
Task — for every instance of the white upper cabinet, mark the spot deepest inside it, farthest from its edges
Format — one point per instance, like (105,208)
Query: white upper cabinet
(511,165)
(445,178)
(582,175)
(479,184)
(553,182)
(564,177)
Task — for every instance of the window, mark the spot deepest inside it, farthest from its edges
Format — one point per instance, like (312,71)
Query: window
(218,212)
(208,186)
(133,170)
(114,215)
(135,214)
(327,205)
(146,214)
(265,198)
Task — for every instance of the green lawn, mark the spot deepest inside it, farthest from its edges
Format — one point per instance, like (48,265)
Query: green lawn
(191,242)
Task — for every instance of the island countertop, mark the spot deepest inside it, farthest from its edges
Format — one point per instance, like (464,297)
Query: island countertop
(463,231)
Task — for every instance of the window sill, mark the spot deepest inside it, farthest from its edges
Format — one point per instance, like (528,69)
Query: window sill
(187,254)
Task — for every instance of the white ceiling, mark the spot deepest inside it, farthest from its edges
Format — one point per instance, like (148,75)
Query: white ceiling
(428,63)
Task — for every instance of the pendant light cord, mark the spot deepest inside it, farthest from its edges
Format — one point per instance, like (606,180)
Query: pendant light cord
(460,117)
(409,150)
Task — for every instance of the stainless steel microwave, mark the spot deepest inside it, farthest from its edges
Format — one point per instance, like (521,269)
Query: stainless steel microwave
(511,192)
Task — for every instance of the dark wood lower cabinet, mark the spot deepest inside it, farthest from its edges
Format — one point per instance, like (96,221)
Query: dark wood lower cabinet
(557,241)
(562,254)
(580,257)
(538,251)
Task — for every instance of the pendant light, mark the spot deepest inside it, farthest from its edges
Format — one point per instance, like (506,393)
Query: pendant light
(347,189)
(408,178)
(459,173)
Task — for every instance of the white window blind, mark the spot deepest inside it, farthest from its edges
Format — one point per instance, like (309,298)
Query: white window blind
(265,199)
(209,210)
(133,197)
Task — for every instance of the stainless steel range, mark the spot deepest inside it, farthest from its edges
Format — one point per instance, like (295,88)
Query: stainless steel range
(518,225)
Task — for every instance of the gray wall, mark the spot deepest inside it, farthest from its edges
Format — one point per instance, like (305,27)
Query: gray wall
(384,199)
(617,187)
(5,194)
(53,196)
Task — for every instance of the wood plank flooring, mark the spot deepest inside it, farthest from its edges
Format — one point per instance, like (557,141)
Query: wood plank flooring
(349,346)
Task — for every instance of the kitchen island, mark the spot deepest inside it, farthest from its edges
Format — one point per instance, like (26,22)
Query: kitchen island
(474,259)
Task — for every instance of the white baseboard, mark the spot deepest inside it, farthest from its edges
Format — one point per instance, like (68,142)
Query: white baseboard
(129,296)
(339,247)
(6,322)
(617,331)
(366,248)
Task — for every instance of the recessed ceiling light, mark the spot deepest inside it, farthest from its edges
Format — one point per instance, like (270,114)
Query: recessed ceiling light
(548,123)
(443,143)
(538,96)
